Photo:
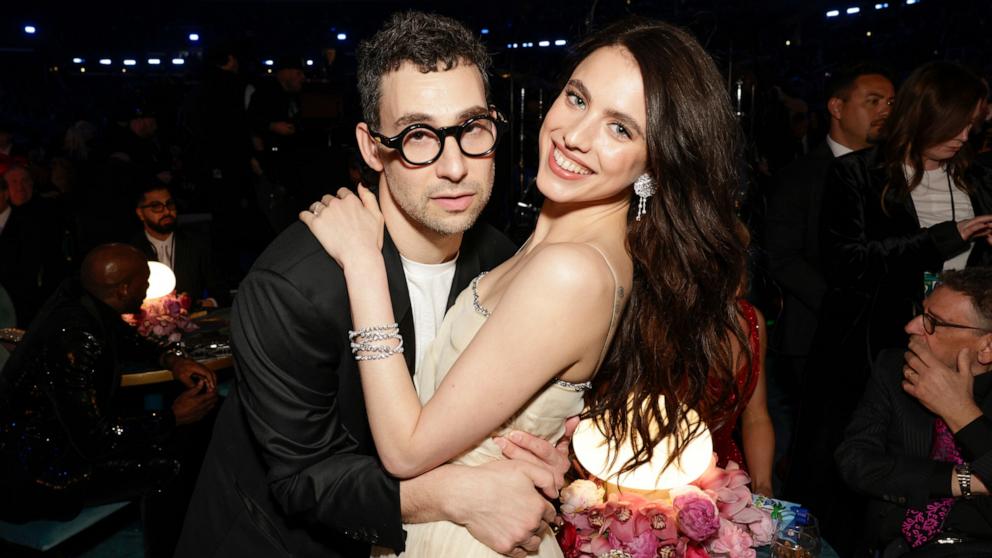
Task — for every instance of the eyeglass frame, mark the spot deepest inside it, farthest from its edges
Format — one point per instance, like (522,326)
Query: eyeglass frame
(936,322)
(456,131)
(159,207)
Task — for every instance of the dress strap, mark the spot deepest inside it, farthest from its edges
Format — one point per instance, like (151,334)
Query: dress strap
(475,296)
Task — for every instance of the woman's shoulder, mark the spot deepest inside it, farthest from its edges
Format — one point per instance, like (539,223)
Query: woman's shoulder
(569,268)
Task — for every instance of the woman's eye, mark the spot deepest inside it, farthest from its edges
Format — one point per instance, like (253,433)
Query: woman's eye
(576,100)
(620,130)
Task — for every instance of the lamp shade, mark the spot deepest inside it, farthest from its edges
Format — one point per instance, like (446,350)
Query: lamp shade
(593,451)
(161,280)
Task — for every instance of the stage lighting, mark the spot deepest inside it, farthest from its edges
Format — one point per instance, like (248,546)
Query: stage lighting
(129,62)
(544,43)
(881,6)
(868,34)
(105,62)
(560,42)
(854,10)
(193,37)
(82,70)
(342,36)
(30,29)
(309,62)
(788,42)
(911,2)
(154,61)
(178,61)
(77,60)
(269,62)
(485,31)
(833,13)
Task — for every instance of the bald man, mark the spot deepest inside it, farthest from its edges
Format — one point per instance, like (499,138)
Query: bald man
(66,439)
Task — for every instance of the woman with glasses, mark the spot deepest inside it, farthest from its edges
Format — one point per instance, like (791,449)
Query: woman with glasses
(625,291)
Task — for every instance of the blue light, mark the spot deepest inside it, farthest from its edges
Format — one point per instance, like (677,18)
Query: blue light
(544,43)
(560,42)
(193,37)
(484,31)
(854,10)
(154,61)
(911,2)
(105,62)
(881,6)
(516,45)
(342,36)
(30,29)
(269,62)
(178,61)
(129,62)
(833,13)
(77,60)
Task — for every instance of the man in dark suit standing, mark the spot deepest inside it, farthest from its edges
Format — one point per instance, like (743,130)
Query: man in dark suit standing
(292,468)
(859,102)
(920,443)
(188,255)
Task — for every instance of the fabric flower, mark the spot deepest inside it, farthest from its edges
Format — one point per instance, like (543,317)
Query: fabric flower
(732,541)
(579,495)
(763,530)
(697,514)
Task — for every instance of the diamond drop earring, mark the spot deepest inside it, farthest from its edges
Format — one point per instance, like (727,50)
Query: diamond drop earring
(644,187)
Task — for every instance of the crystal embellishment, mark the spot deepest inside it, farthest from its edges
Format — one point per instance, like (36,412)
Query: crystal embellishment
(475,296)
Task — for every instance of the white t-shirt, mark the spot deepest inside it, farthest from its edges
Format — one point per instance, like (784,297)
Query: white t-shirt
(165,250)
(932,200)
(429,286)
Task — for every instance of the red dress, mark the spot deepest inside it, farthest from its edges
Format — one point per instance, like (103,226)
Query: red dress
(724,445)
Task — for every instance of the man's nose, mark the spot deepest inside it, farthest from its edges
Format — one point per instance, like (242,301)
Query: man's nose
(451,164)
(915,326)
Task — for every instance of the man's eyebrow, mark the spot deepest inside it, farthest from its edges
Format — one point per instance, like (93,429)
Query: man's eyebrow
(477,110)
(413,118)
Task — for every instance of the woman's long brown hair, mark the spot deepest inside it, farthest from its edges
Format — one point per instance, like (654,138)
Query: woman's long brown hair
(676,334)
(932,106)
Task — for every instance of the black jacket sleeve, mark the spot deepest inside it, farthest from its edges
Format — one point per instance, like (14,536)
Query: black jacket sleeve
(287,355)
(786,235)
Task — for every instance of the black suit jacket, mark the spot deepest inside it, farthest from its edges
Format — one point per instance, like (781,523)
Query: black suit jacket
(291,468)
(792,240)
(886,450)
(874,260)
(31,258)
(195,269)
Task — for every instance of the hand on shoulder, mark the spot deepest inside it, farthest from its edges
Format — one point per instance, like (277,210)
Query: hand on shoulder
(349,227)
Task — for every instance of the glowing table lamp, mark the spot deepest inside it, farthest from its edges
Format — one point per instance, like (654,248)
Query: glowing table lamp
(161,280)
(593,451)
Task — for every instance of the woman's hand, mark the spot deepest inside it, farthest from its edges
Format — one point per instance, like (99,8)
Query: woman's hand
(349,227)
(977,227)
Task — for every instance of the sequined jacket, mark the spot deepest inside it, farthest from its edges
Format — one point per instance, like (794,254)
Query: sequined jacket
(58,394)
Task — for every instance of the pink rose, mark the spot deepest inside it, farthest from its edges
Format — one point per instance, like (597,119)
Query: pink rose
(732,541)
(689,549)
(697,514)
(763,530)
(579,495)
(644,546)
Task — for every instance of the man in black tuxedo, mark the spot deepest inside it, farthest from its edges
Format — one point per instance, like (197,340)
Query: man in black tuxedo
(918,405)
(292,468)
(859,102)
(188,255)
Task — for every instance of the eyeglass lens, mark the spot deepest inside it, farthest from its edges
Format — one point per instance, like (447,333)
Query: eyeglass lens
(159,207)
(475,138)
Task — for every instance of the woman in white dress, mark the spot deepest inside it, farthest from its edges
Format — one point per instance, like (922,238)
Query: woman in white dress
(632,270)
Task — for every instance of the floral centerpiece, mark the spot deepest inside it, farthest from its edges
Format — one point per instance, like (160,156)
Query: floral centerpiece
(164,319)
(711,517)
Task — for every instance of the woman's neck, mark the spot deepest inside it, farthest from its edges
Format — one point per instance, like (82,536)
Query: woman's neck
(575,222)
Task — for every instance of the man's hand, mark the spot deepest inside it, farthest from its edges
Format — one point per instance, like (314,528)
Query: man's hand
(527,447)
(194,404)
(189,372)
(497,503)
(947,393)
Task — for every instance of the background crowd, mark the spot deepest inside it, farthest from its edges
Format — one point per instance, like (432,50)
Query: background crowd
(201,167)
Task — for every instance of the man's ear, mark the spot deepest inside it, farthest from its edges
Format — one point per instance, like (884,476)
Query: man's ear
(137,212)
(368,147)
(834,106)
(984,355)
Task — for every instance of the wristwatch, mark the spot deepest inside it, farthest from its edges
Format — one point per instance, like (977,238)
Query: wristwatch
(177,349)
(963,473)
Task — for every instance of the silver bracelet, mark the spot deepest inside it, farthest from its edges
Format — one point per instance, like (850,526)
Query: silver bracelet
(352,334)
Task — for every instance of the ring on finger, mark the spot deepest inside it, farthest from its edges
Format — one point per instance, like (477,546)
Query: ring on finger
(316,208)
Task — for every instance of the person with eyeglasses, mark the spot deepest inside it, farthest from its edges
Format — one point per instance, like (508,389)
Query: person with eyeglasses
(188,255)
(919,444)
(893,217)
(292,469)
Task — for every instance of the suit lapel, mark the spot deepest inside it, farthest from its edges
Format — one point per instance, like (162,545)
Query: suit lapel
(400,295)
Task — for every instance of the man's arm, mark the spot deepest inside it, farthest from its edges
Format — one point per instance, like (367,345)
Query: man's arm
(786,237)
(286,355)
